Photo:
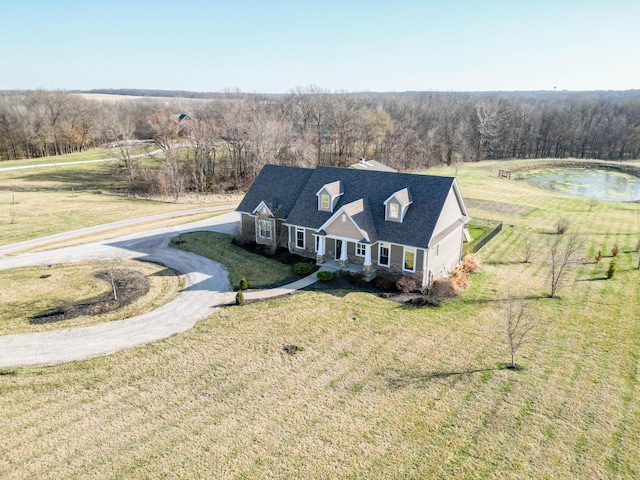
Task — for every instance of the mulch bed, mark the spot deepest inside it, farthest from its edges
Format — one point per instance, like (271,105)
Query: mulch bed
(353,284)
(130,285)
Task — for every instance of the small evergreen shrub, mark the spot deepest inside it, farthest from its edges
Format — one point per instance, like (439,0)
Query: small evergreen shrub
(325,276)
(239,297)
(244,284)
(611,271)
(406,284)
(302,268)
(385,281)
(614,250)
(356,279)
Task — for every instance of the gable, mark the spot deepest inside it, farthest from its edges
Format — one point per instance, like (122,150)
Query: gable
(452,211)
(344,226)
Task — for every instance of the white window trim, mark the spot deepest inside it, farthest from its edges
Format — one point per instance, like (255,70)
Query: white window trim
(361,246)
(304,238)
(269,229)
(405,250)
(388,247)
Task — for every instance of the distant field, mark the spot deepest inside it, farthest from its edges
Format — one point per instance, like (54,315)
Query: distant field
(66,197)
(381,390)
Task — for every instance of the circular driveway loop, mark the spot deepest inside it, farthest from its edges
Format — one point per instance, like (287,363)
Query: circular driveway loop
(205,288)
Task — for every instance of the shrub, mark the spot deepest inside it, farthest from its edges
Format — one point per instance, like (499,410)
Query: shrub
(470,263)
(611,271)
(406,284)
(356,279)
(385,281)
(302,268)
(441,288)
(244,284)
(459,279)
(325,276)
(599,256)
(239,297)
(615,250)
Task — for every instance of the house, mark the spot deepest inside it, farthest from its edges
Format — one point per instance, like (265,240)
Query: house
(404,224)
(372,165)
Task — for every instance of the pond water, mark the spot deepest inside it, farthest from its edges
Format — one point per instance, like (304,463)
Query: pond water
(583,182)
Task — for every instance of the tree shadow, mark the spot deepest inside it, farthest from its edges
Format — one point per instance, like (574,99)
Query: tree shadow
(406,379)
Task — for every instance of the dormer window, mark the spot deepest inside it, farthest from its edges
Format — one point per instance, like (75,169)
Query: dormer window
(396,205)
(394,211)
(328,196)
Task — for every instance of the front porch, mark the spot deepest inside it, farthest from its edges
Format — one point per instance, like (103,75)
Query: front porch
(351,267)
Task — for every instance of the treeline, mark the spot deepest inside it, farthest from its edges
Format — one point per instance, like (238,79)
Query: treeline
(232,136)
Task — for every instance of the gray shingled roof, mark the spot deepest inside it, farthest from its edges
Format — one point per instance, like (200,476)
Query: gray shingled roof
(278,187)
(428,194)
(291,191)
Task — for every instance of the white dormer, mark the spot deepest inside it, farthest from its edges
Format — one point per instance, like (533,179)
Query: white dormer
(262,210)
(328,196)
(396,206)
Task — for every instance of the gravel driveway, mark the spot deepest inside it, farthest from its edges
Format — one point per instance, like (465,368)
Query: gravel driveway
(206,284)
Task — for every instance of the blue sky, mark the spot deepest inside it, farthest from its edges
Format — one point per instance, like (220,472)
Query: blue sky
(274,46)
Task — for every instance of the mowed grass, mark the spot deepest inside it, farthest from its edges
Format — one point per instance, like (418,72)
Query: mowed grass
(25,293)
(381,390)
(260,271)
(38,202)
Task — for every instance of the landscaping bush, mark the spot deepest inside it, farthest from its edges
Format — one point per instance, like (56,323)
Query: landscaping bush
(442,288)
(406,284)
(302,268)
(356,279)
(385,281)
(325,276)
(244,284)
(599,256)
(470,263)
(239,297)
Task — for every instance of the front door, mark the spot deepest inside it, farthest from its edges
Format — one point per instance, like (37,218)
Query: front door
(338,249)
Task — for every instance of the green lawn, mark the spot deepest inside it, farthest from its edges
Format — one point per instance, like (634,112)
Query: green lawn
(381,390)
(260,271)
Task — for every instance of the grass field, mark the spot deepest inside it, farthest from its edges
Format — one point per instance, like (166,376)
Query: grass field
(40,202)
(381,390)
(30,295)
(260,271)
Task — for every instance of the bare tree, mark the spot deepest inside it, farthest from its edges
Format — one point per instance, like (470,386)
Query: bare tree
(563,251)
(110,267)
(518,324)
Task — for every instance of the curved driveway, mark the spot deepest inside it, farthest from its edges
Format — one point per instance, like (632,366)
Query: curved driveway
(205,288)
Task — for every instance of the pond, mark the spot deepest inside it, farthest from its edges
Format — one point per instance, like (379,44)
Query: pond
(587,183)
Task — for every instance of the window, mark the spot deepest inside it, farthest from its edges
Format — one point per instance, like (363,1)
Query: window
(436,251)
(324,201)
(299,237)
(317,244)
(360,249)
(409,259)
(264,228)
(394,211)
(383,254)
